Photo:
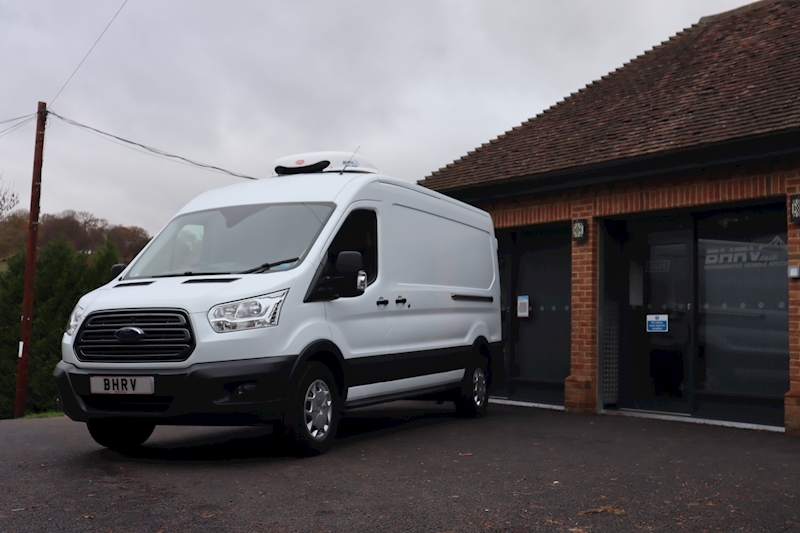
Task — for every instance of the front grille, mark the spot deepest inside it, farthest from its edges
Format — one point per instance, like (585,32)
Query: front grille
(127,404)
(167,336)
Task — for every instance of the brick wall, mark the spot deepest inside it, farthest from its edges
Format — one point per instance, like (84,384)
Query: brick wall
(666,192)
(792,399)
(580,388)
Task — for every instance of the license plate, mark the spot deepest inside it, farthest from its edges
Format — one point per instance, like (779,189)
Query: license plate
(122,384)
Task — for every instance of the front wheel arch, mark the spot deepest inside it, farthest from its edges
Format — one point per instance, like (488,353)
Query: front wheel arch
(326,353)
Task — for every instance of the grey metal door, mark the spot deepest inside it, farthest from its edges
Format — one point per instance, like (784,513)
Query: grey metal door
(541,355)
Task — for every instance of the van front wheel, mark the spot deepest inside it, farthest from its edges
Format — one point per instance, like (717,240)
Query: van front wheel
(473,398)
(313,413)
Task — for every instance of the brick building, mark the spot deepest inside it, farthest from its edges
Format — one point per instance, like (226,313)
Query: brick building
(644,228)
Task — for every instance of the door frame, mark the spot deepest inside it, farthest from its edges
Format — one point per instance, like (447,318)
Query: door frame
(678,228)
(612,302)
(510,247)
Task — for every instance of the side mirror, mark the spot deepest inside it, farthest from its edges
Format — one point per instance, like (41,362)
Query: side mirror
(117,269)
(349,263)
(350,279)
(346,279)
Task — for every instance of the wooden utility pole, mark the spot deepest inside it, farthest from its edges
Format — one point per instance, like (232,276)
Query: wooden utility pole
(30,268)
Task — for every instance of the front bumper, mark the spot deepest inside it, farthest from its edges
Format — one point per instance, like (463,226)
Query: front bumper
(202,394)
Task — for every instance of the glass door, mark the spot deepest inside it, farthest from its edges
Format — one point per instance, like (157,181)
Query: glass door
(658,360)
(742,370)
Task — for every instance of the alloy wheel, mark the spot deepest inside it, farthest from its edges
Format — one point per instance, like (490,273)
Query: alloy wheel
(479,387)
(318,410)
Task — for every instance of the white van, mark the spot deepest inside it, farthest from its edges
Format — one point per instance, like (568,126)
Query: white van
(287,300)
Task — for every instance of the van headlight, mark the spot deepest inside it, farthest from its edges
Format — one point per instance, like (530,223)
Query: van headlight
(74,319)
(258,312)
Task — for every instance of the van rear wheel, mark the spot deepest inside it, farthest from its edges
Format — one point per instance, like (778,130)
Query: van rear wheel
(313,413)
(120,434)
(473,398)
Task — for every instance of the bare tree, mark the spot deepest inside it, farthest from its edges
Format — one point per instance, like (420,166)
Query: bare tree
(8,200)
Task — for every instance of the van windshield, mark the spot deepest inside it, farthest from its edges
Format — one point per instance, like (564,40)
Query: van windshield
(233,240)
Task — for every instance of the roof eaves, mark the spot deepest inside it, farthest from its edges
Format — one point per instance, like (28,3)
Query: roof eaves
(749,148)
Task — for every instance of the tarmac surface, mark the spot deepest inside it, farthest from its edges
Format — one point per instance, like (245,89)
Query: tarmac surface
(407,466)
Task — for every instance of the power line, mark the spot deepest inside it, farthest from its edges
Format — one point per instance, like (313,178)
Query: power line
(137,149)
(10,129)
(152,150)
(18,118)
(87,53)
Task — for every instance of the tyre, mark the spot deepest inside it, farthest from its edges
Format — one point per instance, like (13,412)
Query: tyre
(120,434)
(473,398)
(313,412)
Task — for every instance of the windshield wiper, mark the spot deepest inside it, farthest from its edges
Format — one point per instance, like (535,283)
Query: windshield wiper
(189,273)
(267,266)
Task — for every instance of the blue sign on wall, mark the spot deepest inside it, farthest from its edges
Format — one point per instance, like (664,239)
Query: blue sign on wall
(657,323)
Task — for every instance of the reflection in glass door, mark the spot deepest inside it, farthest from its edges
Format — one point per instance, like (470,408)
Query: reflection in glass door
(660,318)
(717,283)
(743,329)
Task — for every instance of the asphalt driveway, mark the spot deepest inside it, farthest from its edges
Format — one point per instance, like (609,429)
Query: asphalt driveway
(407,466)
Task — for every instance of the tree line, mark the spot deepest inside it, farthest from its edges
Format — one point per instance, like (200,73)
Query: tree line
(76,252)
(85,232)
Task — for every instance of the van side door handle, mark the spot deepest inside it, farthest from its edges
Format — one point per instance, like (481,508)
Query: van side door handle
(382,301)
(400,301)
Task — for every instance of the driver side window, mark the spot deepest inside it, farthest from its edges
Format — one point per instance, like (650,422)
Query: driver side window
(359,233)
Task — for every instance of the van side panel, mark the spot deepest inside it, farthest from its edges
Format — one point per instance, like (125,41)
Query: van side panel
(429,249)
(442,268)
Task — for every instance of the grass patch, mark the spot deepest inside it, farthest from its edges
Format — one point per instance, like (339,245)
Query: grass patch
(46,414)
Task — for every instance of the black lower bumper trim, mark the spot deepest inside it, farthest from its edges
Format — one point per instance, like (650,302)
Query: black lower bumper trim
(245,392)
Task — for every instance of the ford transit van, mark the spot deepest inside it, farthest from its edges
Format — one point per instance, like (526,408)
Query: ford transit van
(285,301)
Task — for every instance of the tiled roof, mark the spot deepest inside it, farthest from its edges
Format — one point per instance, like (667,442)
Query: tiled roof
(730,76)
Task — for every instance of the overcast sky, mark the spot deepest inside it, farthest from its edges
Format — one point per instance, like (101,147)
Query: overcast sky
(415,83)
